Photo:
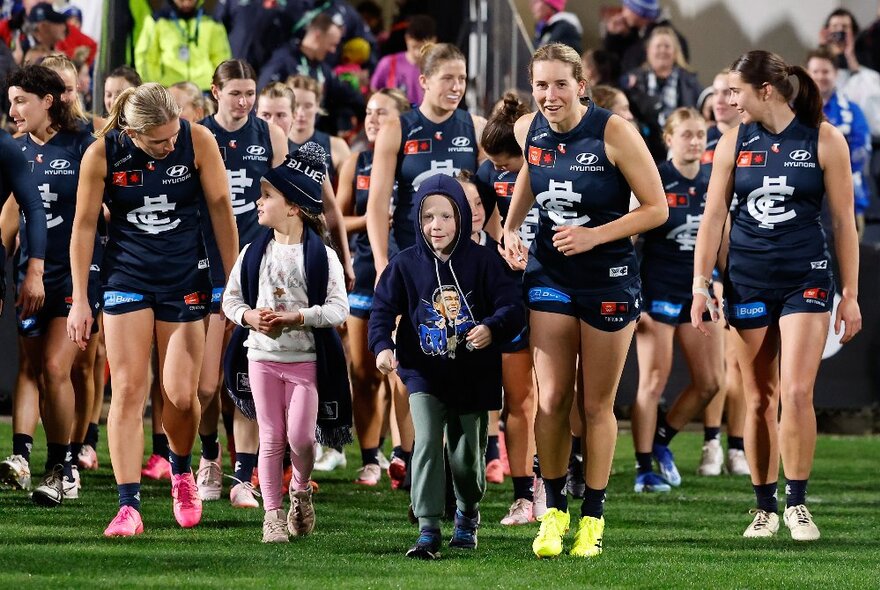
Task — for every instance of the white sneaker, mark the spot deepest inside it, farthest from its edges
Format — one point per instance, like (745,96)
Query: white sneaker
(384,463)
(330,460)
(539,495)
(50,491)
(765,524)
(71,486)
(15,472)
(369,475)
(209,479)
(800,522)
(736,462)
(243,495)
(712,459)
(520,512)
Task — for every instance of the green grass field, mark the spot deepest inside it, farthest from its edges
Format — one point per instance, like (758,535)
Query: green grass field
(690,538)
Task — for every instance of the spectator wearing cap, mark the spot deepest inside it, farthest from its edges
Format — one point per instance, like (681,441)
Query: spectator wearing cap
(179,43)
(44,26)
(554,25)
(76,39)
(627,31)
(401,70)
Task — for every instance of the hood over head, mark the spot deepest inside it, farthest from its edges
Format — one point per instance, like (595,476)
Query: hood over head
(442,184)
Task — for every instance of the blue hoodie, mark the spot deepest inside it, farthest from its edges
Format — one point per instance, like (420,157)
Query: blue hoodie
(439,303)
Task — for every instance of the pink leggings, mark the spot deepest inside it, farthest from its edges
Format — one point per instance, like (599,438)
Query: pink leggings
(286,399)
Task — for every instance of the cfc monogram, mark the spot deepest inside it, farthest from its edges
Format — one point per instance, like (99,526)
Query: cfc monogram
(560,200)
(767,203)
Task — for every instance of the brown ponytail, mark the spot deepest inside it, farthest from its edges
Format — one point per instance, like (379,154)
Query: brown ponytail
(793,83)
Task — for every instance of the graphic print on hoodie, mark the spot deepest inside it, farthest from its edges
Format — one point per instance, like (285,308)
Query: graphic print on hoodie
(448,321)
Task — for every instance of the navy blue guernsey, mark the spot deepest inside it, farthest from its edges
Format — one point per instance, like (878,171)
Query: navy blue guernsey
(426,149)
(15,180)
(501,183)
(668,251)
(776,238)
(713,136)
(323,140)
(54,171)
(155,243)
(361,253)
(247,156)
(575,184)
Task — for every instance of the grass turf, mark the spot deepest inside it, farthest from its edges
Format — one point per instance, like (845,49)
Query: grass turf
(690,538)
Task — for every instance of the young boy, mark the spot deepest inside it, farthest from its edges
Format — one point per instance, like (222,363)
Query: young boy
(458,307)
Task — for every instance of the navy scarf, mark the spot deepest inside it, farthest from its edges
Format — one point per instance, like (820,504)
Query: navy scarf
(334,392)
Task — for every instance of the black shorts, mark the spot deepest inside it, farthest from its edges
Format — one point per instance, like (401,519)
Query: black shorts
(752,307)
(360,303)
(181,306)
(57,304)
(608,311)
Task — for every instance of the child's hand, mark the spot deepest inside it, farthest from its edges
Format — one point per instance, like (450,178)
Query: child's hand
(479,337)
(259,319)
(386,362)
(282,319)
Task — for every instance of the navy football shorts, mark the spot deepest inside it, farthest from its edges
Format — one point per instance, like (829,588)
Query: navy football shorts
(181,306)
(752,307)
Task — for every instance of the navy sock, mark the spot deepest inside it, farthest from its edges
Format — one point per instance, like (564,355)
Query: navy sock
(522,488)
(370,456)
(180,464)
(397,452)
(244,466)
(575,445)
(75,448)
(92,435)
(56,454)
(492,451)
(129,495)
(735,442)
(210,446)
(160,445)
(795,492)
(644,463)
(556,497)
(68,463)
(227,423)
(663,435)
(22,445)
(536,466)
(594,503)
(711,433)
(766,496)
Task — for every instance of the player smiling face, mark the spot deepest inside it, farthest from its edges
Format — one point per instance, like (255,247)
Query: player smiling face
(557,92)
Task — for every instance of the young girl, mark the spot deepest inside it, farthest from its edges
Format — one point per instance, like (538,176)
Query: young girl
(288,288)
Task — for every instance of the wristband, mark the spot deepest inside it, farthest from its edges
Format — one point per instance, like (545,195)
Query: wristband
(711,306)
(700,282)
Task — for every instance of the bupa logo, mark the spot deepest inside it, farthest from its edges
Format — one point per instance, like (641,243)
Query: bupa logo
(59,164)
(587,159)
(256,150)
(461,141)
(177,171)
(800,155)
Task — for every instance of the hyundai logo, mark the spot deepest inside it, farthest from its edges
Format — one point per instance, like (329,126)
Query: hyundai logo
(59,164)
(177,171)
(587,159)
(256,150)
(800,155)
(461,141)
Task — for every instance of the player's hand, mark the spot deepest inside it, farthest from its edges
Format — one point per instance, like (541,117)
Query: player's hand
(32,294)
(849,314)
(79,323)
(479,337)
(260,320)
(386,362)
(574,240)
(513,251)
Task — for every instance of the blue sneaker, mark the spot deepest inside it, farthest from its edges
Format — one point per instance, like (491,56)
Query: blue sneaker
(666,461)
(464,536)
(427,546)
(650,482)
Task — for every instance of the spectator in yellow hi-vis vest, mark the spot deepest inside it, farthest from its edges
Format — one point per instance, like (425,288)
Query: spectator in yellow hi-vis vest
(181,43)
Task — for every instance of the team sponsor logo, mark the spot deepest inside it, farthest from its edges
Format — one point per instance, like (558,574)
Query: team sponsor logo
(438,135)
(94,268)
(122,161)
(708,157)
(587,162)
(461,141)
(27,323)
(587,159)
(177,171)
(414,130)
(59,164)
(195,298)
(767,202)
(618,271)
(68,300)
(151,165)
(560,201)
(242,382)
(676,200)
(128,178)
(256,150)
(685,235)
(614,307)
(216,294)
(113,298)
(39,158)
(816,294)
(752,159)
(233,143)
(749,310)
(774,148)
(539,136)
(561,148)
(547,294)
(504,189)
(541,157)
(417,146)
(751,140)
(799,159)
(203,264)
(363,183)
(666,308)
(328,410)
(819,265)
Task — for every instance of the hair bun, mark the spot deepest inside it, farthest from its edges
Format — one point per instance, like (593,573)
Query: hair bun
(311,154)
